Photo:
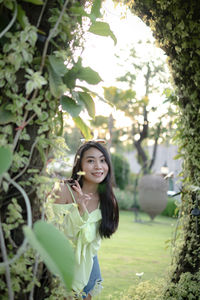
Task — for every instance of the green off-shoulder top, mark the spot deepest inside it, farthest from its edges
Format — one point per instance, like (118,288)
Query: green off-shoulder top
(82,231)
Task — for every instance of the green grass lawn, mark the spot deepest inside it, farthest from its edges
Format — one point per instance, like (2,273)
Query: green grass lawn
(135,248)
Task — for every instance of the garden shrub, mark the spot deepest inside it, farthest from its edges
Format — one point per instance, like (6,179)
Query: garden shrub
(144,290)
(171,209)
(124,199)
(121,170)
(186,288)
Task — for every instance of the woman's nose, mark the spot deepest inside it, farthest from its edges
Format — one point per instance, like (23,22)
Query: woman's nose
(97,165)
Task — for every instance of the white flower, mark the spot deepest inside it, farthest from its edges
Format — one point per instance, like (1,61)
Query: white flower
(80,173)
(140,274)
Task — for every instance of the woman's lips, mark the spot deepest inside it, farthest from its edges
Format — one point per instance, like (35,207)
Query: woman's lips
(97,174)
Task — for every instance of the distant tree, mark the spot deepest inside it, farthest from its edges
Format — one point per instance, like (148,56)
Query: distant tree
(139,109)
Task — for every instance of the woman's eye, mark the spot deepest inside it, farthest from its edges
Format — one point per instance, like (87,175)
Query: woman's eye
(103,160)
(90,161)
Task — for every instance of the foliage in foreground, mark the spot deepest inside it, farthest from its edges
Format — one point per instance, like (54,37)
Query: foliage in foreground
(41,70)
(144,290)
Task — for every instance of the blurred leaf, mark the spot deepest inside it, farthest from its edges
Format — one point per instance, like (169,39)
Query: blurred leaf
(5,115)
(103,29)
(178,156)
(95,11)
(42,152)
(70,78)
(86,90)
(55,83)
(70,105)
(89,103)
(36,2)
(20,16)
(5,159)
(54,248)
(86,131)
(78,10)
(89,75)
(58,65)
(59,130)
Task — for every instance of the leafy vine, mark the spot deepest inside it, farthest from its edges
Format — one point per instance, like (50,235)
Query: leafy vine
(41,70)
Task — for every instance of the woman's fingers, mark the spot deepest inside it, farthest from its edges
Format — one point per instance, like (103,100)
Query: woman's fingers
(77,184)
(77,188)
(82,198)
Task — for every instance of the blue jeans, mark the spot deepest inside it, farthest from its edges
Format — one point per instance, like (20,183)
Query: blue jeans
(95,277)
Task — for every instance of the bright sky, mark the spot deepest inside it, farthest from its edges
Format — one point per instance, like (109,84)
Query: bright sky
(100,52)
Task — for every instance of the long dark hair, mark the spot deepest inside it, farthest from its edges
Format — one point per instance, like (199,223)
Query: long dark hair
(108,203)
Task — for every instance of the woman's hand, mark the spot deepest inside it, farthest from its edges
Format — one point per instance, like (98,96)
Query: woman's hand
(82,199)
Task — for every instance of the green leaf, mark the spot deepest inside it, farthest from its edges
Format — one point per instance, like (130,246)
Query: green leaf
(178,156)
(36,2)
(58,65)
(89,75)
(55,83)
(86,131)
(169,26)
(5,115)
(5,159)
(95,11)
(42,152)
(54,248)
(103,29)
(70,105)
(70,78)
(95,94)
(78,10)
(59,130)
(21,15)
(88,102)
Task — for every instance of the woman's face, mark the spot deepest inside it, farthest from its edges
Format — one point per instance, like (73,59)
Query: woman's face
(94,165)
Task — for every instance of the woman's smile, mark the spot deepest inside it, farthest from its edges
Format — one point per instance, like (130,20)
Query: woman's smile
(97,174)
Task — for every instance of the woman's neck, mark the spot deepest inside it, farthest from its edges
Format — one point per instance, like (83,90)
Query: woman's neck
(90,188)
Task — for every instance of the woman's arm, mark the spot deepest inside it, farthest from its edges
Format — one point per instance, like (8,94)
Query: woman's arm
(62,194)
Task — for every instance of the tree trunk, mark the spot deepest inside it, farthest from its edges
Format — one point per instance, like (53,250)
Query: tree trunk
(142,157)
(175,26)
(34,147)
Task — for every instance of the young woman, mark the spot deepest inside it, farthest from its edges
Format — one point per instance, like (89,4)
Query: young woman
(89,210)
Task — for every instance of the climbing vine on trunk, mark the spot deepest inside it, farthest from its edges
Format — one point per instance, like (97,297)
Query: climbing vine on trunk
(175,25)
(40,72)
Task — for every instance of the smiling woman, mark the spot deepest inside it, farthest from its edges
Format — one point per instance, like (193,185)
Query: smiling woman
(89,211)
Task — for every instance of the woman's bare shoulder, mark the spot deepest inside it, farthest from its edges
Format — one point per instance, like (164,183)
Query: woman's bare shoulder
(62,194)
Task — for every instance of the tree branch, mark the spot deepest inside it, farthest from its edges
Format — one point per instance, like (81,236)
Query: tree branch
(155,146)
(7,267)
